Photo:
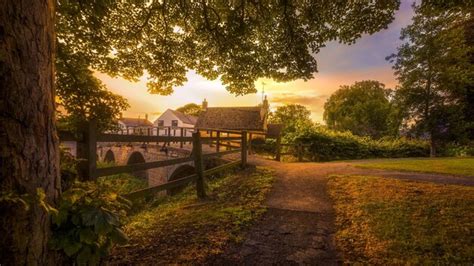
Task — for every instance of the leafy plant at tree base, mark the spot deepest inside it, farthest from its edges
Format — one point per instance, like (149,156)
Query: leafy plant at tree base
(88,222)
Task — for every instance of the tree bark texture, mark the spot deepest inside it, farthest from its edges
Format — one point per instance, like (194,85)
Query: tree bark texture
(29,157)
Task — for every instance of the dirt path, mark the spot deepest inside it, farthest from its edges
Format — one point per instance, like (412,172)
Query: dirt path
(299,225)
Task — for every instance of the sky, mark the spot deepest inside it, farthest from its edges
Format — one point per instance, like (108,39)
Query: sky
(338,64)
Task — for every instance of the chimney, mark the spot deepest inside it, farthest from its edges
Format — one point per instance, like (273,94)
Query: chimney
(146,116)
(204,105)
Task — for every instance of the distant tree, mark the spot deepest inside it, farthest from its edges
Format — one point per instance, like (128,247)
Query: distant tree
(238,41)
(291,116)
(83,96)
(363,108)
(190,109)
(434,70)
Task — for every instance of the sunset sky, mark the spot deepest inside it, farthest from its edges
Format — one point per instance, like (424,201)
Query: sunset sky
(338,64)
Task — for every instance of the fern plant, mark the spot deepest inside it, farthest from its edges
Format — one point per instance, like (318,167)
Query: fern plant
(88,222)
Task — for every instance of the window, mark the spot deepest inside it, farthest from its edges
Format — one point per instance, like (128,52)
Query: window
(161,123)
(174,123)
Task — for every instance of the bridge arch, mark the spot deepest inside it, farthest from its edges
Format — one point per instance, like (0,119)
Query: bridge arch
(137,157)
(109,157)
(180,172)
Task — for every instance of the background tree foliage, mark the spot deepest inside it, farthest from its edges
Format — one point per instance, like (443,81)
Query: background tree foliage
(82,96)
(363,108)
(291,116)
(238,41)
(190,109)
(434,70)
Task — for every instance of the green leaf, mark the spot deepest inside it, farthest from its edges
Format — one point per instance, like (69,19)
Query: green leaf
(76,220)
(71,247)
(84,256)
(88,216)
(101,226)
(118,236)
(87,236)
(60,217)
(111,218)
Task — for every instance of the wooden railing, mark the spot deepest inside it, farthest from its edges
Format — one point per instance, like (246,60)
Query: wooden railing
(88,170)
(296,149)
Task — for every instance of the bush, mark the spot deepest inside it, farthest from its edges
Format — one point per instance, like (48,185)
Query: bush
(327,145)
(457,150)
(260,145)
(88,222)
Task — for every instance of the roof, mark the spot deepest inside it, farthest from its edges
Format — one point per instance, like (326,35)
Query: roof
(187,119)
(135,122)
(243,118)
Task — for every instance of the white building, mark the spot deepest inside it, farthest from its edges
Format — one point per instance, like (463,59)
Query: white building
(136,126)
(171,122)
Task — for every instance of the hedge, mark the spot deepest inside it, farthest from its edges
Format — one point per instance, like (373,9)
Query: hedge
(327,145)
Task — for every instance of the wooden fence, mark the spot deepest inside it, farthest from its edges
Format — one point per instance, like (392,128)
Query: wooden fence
(87,146)
(296,149)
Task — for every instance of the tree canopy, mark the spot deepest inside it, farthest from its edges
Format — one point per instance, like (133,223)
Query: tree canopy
(363,108)
(236,41)
(82,96)
(434,70)
(190,109)
(291,116)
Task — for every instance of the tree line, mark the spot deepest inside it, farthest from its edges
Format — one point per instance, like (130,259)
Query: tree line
(434,99)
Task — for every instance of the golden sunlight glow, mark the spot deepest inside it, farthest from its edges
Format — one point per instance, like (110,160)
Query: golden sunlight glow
(312,93)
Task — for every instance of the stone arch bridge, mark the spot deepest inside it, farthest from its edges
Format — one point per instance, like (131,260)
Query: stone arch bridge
(125,154)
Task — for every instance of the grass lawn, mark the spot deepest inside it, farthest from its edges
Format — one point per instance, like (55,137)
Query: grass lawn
(183,230)
(121,183)
(453,166)
(389,221)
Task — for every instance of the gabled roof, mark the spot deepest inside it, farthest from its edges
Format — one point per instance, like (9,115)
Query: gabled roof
(237,118)
(135,122)
(187,119)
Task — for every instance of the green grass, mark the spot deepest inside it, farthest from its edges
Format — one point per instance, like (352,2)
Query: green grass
(121,183)
(183,230)
(453,166)
(389,221)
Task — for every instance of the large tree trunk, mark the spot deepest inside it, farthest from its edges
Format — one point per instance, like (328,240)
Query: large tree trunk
(28,142)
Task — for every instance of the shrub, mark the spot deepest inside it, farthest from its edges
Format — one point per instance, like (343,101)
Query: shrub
(457,150)
(261,145)
(329,145)
(88,222)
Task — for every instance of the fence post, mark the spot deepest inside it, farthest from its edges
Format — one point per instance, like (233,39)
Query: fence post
(250,143)
(243,147)
(169,135)
(197,154)
(278,148)
(218,146)
(210,136)
(182,135)
(88,153)
(300,152)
